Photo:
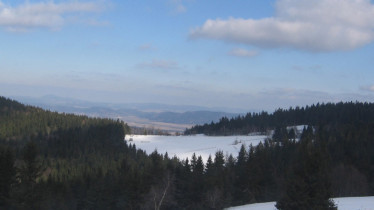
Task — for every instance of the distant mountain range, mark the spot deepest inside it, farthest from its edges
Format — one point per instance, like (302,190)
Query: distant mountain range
(161,116)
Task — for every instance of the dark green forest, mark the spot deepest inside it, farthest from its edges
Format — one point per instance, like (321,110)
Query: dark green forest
(50,160)
(321,115)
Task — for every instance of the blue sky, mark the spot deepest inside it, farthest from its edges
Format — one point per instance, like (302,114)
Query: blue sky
(259,54)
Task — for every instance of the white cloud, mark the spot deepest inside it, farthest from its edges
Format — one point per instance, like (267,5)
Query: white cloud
(318,25)
(239,52)
(44,14)
(160,64)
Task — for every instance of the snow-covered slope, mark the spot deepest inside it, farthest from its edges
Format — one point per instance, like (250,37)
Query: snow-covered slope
(349,203)
(185,146)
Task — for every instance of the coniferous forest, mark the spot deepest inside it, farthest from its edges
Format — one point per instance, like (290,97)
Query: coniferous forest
(50,160)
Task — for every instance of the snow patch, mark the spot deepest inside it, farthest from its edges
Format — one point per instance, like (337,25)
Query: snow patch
(348,203)
(184,146)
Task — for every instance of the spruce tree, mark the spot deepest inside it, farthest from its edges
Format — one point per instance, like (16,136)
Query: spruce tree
(29,172)
(308,185)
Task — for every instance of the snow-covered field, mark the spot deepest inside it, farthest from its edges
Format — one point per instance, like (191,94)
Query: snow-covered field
(349,203)
(185,146)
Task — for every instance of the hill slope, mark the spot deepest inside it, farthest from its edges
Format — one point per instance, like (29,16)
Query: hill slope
(320,114)
(60,161)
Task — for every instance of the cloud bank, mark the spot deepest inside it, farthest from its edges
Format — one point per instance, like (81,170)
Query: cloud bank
(317,26)
(44,14)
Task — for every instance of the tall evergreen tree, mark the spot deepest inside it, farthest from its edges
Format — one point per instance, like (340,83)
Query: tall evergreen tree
(29,172)
(308,185)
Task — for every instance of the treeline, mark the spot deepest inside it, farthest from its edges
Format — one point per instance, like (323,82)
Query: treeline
(20,122)
(320,114)
(89,166)
(148,131)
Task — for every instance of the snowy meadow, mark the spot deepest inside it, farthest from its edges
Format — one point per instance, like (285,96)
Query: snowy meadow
(184,146)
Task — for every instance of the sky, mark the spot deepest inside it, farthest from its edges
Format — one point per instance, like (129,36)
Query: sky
(257,54)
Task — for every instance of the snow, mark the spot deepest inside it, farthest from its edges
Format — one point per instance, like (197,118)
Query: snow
(185,146)
(348,203)
(297,128)
(355,203)
(255,206)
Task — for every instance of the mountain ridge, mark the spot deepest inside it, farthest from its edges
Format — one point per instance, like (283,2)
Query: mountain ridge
(135,114)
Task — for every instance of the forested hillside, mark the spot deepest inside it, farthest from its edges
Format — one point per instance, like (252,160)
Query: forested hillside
(61,161)
(342,132)
(320,114)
